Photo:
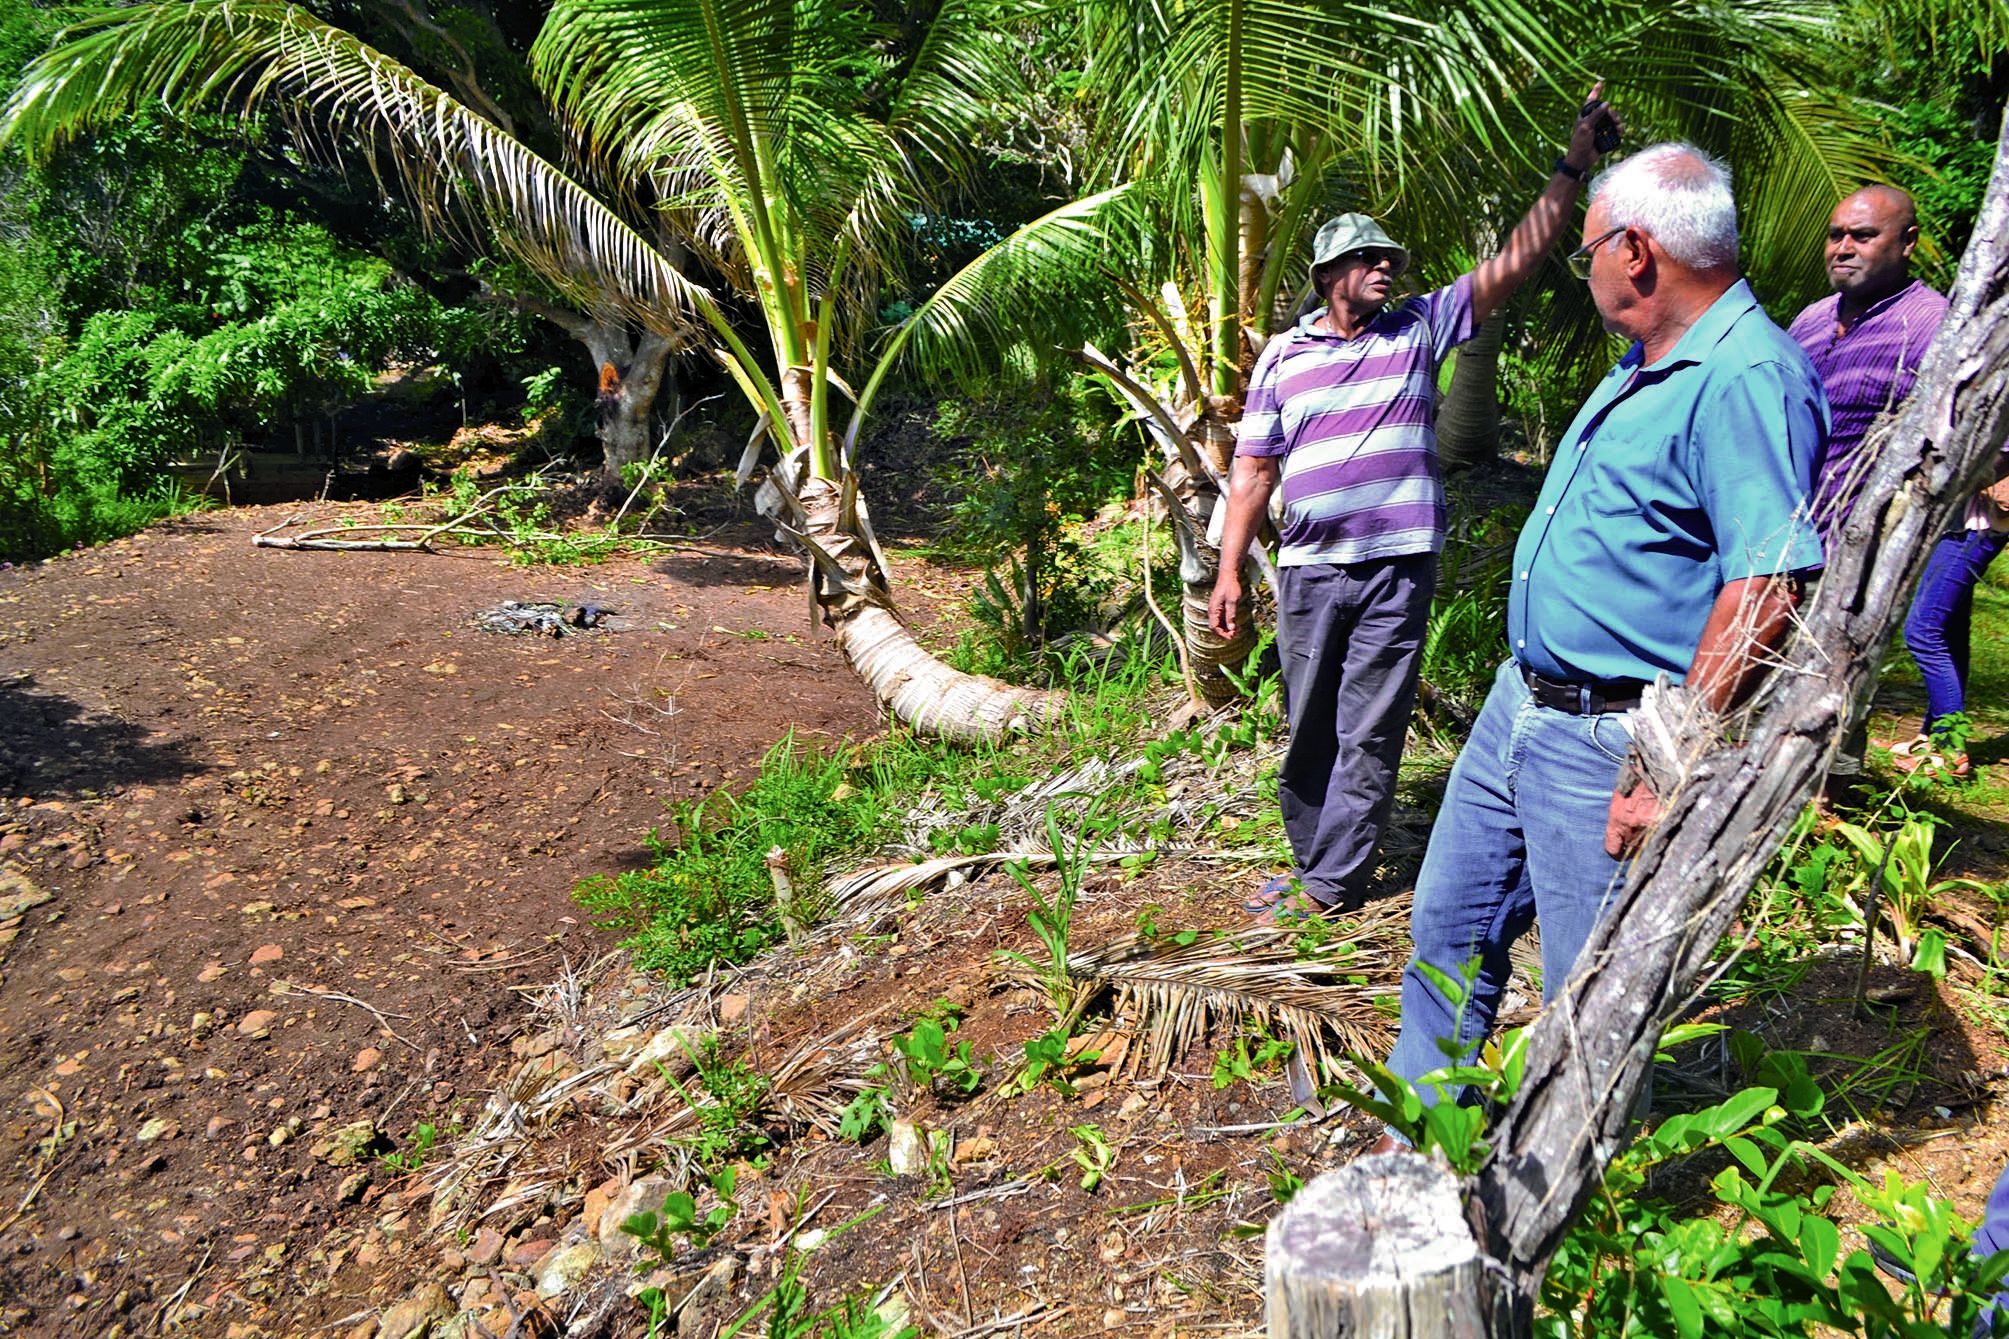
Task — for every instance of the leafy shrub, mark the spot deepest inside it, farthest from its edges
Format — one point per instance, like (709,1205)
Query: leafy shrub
(710,898)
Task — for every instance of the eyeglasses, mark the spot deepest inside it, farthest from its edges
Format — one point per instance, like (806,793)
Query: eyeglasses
(1373,257)
(1579,259)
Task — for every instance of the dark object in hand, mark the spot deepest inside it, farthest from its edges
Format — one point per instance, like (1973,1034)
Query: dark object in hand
(1607,127)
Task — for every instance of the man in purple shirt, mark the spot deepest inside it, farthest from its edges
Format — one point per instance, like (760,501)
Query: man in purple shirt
(1339,413)
(1866,341)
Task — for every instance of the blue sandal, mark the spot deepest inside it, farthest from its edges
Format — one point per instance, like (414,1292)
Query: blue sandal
(1271,893)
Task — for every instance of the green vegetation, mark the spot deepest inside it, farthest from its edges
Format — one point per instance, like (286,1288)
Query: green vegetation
(660,1230)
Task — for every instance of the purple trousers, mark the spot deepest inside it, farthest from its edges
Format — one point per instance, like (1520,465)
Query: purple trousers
(1350,636)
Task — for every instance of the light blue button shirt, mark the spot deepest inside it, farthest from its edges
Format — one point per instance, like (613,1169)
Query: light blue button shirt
(1675,479)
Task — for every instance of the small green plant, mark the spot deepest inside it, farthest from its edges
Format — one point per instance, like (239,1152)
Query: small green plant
(1051,919)
(728,1124)
(1284,1182)
(866,1116)
(928,1059)
(1148,928)
(1897,876)
(1047,1061)
(1241,1063)
(679,1218)
(417,1149)
(1094,1154)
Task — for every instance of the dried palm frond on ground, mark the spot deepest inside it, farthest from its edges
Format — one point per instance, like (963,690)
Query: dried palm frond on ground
(1173,994)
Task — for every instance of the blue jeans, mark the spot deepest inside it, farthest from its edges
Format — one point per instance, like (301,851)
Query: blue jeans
(1993,1236)
(1520,837)
(1936,628)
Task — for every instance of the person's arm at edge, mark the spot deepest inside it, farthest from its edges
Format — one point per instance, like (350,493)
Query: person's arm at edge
(1496,278)
(1746,625)
(1250,483)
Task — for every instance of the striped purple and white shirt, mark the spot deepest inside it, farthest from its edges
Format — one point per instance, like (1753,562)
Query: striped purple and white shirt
(1865,372)
(1354,420)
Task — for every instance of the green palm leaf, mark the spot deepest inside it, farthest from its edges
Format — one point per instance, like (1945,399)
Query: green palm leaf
(461,173)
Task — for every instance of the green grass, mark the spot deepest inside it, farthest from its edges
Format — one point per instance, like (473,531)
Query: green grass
(707,896)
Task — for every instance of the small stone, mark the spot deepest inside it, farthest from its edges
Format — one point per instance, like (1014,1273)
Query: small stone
(280,1134)
(265,953)
(366,1060)
(595,1207)
(732,1009)
(257,1023)
(157,1128)
(906,1149)
(211,972)
(526,1254)
(563,1268)
(18,894)
(1133,1106)
(415,1314)
(352,1187)
(217,1125)
(486,1247)
(1113,1317)
(347,1146)
(647,1193)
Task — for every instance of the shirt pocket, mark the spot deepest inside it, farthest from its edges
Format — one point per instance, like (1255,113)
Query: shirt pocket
(1634,477)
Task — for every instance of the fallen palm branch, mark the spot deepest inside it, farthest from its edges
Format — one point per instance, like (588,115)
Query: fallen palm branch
(875,885)
(1174,994)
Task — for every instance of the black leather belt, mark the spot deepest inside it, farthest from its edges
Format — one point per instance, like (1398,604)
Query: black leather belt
(1591,698)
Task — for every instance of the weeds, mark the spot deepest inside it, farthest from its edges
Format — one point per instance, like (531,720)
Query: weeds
(1094,1154)
(1241,1064)
(929,1061)
(710,898)
(679,1218)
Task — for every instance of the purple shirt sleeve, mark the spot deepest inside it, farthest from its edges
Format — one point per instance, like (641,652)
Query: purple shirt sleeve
(1261,431)
(1449,313)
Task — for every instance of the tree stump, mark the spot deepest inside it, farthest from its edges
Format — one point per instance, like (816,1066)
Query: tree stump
(1378,1249)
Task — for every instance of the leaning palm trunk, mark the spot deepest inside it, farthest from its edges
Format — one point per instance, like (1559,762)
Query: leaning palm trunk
(1196,443)
(848,587)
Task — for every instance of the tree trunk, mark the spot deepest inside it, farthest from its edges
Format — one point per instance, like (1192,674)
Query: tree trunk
(1197,443)
(1378,1247)
(1728,805)
(847,579)
(1468,422)
(632,374)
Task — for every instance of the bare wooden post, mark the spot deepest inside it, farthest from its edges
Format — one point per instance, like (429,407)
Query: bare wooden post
(1377,1249)
(784,896)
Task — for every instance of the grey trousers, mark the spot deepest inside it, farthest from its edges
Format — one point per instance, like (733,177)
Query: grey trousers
(1351,640)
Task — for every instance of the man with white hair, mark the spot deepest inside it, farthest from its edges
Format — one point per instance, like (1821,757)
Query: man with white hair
(1668,538)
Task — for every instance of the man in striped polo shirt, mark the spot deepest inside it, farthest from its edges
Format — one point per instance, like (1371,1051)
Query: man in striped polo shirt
(1340,410)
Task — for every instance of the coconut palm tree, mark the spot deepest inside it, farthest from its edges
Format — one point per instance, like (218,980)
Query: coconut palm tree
(1441,124)
(784,143)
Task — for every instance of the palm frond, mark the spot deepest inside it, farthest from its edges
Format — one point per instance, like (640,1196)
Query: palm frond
(460,172)
(1173,995)
(1044,284)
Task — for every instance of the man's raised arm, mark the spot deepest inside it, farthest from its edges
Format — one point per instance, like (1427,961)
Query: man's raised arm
(1496,279)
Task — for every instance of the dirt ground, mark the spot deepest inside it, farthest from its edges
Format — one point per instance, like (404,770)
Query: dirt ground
(287,844)
(282,838)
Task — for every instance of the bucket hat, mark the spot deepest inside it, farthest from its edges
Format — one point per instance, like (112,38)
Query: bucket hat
(1354,232)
